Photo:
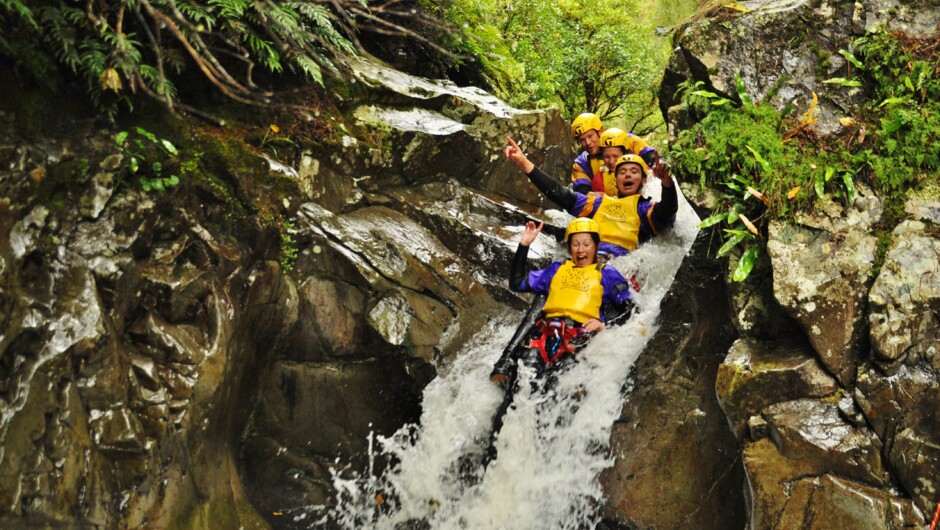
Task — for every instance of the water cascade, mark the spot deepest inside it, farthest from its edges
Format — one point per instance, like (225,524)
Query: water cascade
(553,444)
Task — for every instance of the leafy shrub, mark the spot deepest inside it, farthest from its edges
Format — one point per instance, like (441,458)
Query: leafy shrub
(600,56)
(149,158)
(765,165)
(120,49)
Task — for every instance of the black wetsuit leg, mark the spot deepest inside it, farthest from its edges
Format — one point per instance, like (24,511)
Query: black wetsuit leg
(545,378)
(529,357)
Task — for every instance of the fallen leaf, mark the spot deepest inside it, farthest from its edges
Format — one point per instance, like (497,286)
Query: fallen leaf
(759,195)
(750,226)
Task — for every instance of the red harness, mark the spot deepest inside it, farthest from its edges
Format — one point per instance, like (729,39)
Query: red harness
(554,339)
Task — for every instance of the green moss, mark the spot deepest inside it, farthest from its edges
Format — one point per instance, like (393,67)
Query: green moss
(221,512)
(735,149)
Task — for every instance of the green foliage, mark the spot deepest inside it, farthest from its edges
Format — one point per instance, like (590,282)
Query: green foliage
(905,109)
(599,56)
(122,49)
(149,158)
(764,165)
(288,247)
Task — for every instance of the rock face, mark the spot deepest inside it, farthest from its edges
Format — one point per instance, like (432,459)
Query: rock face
(784,50)
(828,387)
(199,358)
(188,359)
(821,270)
(675,457)
(129,325)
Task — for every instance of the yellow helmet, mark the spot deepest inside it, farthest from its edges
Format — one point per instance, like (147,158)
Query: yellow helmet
(584,123)
(582,225)
(614,137)
(631,158)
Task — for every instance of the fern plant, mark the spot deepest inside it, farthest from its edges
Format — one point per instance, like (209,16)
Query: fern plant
(130,47)
(765,164)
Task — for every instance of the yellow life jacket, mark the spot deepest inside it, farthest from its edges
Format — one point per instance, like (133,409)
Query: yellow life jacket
(575,293)
(610,182)
(618,220)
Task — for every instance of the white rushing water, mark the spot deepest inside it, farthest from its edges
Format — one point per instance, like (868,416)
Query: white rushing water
(552,446)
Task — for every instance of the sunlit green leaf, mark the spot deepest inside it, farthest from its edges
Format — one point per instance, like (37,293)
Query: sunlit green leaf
(146,134)
(841,81)
(852,59)
(730,243)
(893,101)
(170,148)
(745,264)
(763,163)
(742,91)
(734,185)
(848,180)
(712,220)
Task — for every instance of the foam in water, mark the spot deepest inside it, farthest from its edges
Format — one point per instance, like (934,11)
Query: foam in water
(553,444)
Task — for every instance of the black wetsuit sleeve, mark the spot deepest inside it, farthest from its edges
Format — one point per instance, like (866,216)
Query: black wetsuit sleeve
(617,314)
(581,188)
(664,214)
(519,270)
(557,193)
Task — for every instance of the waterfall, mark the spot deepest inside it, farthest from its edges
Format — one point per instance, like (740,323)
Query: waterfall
(553,444)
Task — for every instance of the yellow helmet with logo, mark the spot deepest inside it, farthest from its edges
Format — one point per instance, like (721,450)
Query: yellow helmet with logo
(583,225)
(584,123)
(631,158)
(614,137)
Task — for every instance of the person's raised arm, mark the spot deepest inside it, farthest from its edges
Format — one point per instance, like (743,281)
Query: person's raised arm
(519,269)
(514,153)
(555,192)
(664,213)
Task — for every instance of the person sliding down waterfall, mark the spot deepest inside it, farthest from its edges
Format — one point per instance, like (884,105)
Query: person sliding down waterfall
(625,220)
(582,298)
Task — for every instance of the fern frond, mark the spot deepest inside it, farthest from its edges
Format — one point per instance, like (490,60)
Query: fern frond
(197,15)
(265,50)
(231,8)
(159,84)
(18,8)
(309,68)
